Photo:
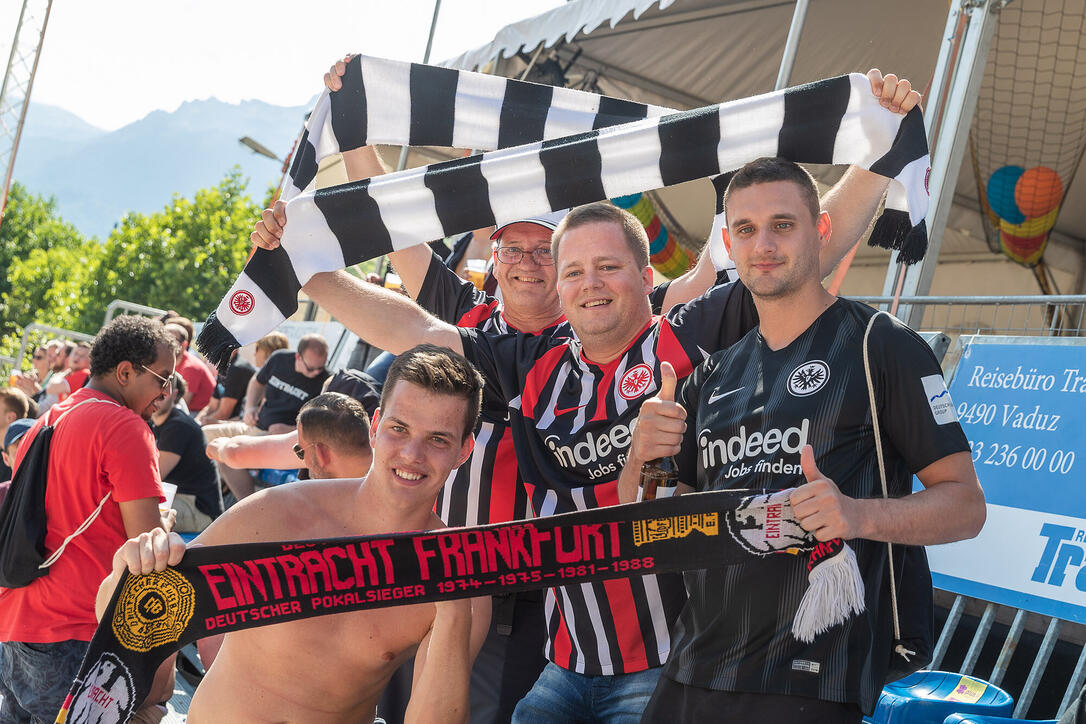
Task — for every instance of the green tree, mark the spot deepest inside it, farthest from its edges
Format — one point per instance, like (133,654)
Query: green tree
(30,224)
(183,257)
(50,286)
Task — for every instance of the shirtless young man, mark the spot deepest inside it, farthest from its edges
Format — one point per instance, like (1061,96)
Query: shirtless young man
(334,668)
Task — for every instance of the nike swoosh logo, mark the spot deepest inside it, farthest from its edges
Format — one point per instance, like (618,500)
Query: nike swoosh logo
(714,398)
(558,412)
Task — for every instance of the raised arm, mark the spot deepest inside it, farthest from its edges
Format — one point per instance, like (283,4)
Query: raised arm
(439,690)
(853,200)
(851,203)
(379,316)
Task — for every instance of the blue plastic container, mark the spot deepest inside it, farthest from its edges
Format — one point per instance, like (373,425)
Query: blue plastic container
(272,477)
(929,697)
(982,719)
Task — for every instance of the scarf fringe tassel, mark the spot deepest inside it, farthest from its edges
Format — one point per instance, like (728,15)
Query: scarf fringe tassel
(835,592)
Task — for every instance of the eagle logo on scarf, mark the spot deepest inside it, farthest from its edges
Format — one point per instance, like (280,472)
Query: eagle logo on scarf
(764,524)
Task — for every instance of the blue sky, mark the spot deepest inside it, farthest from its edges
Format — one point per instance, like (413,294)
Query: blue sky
(112,63)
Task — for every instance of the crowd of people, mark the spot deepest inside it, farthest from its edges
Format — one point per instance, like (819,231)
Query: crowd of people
(481,417)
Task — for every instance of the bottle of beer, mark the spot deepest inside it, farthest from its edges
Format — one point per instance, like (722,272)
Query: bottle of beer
(655,474)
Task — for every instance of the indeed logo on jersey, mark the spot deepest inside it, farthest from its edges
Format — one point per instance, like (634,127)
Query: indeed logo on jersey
(594,448)
(742,447)
(1064,551)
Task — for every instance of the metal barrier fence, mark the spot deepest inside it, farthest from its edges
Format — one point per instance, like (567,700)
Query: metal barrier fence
(1054,630)
(1039,315)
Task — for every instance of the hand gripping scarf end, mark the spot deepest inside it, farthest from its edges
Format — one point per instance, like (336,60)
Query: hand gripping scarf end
(546,149)
(218,589)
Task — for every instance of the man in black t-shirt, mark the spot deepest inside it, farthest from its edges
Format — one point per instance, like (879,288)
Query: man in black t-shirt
(285,383)
(181,461)
(787,407)
(272,400)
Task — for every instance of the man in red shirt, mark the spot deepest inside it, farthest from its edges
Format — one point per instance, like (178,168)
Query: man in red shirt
(102,456)
(75,376)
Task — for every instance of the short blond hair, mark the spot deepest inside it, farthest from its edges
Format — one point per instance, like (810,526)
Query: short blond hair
(271,342)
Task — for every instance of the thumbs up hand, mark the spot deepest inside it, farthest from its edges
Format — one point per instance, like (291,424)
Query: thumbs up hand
(660,424)
(820,507)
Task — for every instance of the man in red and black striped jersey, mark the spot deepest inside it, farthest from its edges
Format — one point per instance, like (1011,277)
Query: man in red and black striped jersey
(788,406)
(571,403)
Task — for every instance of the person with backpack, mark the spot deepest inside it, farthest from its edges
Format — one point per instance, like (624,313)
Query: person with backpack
(101,457)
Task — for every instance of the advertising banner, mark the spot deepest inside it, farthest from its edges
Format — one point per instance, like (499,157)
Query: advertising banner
(1022,404)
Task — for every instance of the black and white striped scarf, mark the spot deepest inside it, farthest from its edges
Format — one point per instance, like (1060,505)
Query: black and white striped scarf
(546,149)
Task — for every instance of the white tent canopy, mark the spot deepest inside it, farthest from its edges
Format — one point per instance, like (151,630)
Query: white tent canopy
(688,53)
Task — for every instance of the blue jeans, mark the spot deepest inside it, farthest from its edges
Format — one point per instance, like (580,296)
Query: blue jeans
(35,678)
(566,696)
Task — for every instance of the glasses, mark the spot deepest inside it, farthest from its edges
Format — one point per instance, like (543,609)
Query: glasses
(300,451)
(512,255)
(165,380)
(318,368)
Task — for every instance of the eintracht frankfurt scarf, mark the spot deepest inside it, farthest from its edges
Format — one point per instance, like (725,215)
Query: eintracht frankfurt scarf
(220,589)
(556,148)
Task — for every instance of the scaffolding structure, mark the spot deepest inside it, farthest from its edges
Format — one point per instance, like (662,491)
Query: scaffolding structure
(18,81)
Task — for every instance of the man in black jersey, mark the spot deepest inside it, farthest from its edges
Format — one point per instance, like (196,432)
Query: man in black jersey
(787,406)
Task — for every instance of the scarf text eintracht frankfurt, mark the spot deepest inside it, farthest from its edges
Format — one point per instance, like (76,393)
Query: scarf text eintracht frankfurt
(219,589)
(547,149)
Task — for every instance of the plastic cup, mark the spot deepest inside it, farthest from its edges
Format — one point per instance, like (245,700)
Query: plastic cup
(476,272)
(170,491)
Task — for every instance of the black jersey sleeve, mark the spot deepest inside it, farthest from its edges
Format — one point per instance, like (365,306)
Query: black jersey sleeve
(448,297)
(716,320)
(915,411)
(504,360)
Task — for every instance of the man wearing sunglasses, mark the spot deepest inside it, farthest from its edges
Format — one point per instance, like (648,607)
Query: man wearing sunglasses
(103,447)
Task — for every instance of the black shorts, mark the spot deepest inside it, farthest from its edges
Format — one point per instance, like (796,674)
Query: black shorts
(674,702)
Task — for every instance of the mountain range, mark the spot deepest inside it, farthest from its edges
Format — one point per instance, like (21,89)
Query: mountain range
(98,176)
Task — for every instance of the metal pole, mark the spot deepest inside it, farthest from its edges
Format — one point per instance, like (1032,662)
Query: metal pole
(934,106)
(402,163)
(25,102)
(1021,707)
(788,60)
(979,638)
(1075,684)
(1010,644)
(947,633)
(950,144)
